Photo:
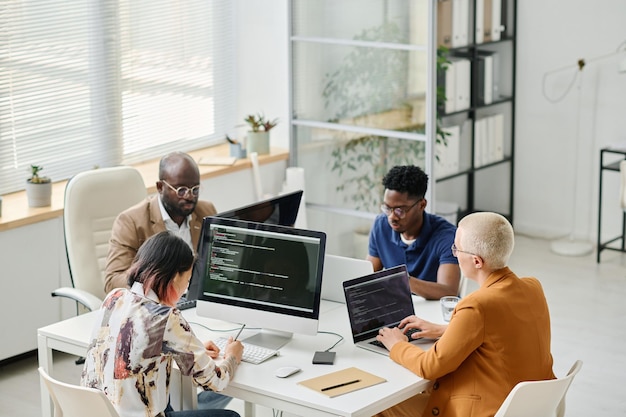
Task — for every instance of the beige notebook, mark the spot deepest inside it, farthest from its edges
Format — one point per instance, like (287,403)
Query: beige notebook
(342,382)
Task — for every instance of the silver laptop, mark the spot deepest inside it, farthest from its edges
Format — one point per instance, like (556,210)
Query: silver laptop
(381,299)
(338,269)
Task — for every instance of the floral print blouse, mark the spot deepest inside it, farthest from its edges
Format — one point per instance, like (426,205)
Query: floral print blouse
(132,348)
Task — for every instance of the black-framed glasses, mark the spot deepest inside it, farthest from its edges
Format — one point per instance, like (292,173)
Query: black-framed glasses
(455,251)
(400,212)
(182,191)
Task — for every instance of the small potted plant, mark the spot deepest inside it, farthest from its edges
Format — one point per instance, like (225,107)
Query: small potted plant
(258,137)
(38,188)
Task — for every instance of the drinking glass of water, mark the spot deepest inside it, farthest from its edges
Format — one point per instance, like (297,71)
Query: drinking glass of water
(447,306)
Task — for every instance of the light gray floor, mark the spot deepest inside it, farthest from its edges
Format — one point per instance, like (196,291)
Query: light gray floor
(588,308)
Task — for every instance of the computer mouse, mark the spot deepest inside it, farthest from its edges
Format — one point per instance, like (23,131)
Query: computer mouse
(285,371)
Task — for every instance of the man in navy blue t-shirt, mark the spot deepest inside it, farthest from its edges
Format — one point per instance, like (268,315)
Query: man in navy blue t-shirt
(404,233)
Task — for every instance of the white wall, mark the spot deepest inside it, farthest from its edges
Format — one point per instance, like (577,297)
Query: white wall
(262,45)
(551,35)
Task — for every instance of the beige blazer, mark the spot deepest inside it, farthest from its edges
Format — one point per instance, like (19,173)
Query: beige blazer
(498,336)
(136,224)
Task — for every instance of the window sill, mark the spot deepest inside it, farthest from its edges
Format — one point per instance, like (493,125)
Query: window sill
(16,213)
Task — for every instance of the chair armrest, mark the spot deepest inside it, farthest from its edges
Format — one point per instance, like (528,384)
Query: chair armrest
(90,301)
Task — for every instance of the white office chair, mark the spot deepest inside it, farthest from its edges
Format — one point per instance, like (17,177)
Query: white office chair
(462,286)
(466,286)
(93,199)
(76,401)
(539,398)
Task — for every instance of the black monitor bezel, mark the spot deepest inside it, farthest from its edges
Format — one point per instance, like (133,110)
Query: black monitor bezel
(203,250)
(289,200)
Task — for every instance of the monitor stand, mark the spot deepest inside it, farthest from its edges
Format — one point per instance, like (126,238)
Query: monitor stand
(271,339)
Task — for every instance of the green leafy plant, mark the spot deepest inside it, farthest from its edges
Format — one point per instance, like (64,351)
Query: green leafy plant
(373,81)
(258,122)
(35,177)
(443,63)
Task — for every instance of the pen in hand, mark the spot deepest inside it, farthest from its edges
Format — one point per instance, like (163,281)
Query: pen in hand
(238,333)
(341,385)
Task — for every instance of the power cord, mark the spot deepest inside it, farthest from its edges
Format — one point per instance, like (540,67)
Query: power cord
(336,343)
(221,330)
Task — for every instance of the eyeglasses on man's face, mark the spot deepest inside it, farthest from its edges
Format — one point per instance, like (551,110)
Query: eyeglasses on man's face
(182,191)
(399,212)
(455,251)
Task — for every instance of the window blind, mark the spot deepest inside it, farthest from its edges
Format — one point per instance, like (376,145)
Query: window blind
(93,83)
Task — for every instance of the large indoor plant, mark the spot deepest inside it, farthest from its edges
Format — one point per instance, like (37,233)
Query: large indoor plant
(38,188)
(370,89)
(258,137)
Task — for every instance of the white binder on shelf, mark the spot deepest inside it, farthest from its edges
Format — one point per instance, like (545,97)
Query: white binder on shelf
(460,23)
(496,76)
(479,35)
(488,78)
(498,131)
(462,72)
(484,84)
(490,148)
(479,139)
(440,160)
(496,19)
(448,154)
(454,149)
(450,90)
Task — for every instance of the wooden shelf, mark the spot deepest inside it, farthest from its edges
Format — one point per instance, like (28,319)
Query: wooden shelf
(16,213)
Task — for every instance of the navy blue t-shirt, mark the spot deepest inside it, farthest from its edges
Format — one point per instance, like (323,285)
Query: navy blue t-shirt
(423,257)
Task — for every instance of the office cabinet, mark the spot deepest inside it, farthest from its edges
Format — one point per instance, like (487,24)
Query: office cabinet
(475,166)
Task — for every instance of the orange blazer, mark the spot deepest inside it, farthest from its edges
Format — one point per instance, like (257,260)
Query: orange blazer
(498,336)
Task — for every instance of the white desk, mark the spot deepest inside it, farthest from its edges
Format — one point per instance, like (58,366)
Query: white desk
(257,384)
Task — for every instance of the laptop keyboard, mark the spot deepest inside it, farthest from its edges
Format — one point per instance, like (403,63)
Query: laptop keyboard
(184,304)
(408,334)
(251,353)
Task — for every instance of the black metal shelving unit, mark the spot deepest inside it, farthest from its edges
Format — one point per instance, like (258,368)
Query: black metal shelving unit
(507,43)
(612,166)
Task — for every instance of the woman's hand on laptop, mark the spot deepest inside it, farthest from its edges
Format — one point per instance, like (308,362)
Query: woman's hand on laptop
(389,337)
(428,330)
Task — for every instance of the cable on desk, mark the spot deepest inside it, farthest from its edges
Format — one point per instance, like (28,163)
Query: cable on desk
(336,343)
(221,330)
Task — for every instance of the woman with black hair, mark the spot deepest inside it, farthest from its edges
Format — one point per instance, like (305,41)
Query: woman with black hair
(139,332)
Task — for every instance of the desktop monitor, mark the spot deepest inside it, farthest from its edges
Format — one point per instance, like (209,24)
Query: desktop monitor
(262,275)
(281,210)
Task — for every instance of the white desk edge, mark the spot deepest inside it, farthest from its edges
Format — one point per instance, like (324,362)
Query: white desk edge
(257,384)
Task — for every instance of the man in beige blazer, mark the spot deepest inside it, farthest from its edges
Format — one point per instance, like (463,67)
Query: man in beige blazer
(498,336)
(175,207)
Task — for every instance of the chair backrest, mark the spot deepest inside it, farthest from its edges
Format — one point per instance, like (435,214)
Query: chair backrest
(466,286)
(76,401)
(539,398)
(93,199)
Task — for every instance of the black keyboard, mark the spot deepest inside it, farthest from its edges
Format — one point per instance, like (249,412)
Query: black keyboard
(184,304)
(408,334)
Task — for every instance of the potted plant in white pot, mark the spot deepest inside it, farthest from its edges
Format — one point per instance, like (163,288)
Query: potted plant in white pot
(258,137)
(38,188)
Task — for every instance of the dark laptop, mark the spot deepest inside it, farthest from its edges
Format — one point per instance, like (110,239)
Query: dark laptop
(381,299)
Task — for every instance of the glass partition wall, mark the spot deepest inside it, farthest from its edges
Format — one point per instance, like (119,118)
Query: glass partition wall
(362,100)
